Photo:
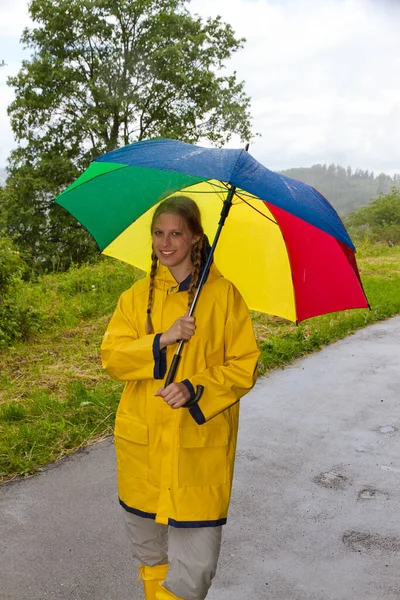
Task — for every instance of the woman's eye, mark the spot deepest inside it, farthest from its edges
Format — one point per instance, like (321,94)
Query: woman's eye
(157,233)
(176,233)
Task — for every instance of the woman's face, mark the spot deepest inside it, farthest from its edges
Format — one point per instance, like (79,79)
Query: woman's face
(173,241)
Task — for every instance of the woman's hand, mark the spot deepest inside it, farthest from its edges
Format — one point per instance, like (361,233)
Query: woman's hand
(175,394)
(182,329)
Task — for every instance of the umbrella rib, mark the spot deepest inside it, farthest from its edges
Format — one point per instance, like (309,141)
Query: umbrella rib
(236,194)
(256,209)
(251,206)
(243,192)
(217,188)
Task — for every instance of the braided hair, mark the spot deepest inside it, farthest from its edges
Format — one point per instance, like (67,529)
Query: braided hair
(186,209)
(196,262)
(154,263)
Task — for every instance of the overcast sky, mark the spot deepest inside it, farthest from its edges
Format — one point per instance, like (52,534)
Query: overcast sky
(324,77)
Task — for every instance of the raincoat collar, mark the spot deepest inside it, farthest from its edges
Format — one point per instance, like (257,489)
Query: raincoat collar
(165,280)
(185,284)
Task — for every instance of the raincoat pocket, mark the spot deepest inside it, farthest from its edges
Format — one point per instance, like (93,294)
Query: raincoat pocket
(132,447)
(202,455)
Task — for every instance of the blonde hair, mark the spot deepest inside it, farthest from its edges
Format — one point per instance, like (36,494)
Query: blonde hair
(186,209)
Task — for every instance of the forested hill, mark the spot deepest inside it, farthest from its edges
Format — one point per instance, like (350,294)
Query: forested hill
(343,188)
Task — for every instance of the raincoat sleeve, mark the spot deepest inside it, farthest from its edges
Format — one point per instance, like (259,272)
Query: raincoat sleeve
(225,384)
(126,356)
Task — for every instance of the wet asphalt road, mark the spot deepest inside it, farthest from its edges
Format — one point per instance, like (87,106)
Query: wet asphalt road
(315,512)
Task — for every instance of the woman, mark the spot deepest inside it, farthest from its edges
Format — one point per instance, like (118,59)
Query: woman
(175,463)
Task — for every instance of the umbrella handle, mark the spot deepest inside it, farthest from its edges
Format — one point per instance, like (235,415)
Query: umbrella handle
(193,401)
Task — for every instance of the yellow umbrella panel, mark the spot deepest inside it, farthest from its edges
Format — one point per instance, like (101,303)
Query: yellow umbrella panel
(251,251)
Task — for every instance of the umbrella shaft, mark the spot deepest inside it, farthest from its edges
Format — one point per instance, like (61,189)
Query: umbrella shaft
(224,213)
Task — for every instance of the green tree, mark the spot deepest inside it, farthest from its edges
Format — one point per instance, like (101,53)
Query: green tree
(11,265)
(105,73)
(379,221)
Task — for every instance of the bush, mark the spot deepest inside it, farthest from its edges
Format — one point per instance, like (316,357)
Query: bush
(11,265)
(16,321)
(64,300)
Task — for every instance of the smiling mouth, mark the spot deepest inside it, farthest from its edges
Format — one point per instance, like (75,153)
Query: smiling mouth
(167,253)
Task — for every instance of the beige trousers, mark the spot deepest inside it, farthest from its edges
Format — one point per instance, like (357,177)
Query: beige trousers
(191,553)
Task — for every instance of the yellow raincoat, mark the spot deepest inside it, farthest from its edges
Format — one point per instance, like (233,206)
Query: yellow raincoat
(176,465)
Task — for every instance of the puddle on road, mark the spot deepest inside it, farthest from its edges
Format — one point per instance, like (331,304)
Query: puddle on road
(246,454)
(370,493)
(357,541)
(332,480)
(387,429)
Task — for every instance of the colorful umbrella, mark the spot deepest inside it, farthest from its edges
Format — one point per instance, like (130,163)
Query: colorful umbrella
(283,245)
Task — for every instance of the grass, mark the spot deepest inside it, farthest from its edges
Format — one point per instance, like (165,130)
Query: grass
(48,426)
(54,396)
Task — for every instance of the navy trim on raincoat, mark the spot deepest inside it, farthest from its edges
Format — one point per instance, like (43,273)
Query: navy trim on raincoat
(173,522)
(160,358)
(197,414)
(195,524)
(190,388)
(137,512)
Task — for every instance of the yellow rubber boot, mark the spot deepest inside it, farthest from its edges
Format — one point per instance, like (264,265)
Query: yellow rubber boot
(164,594)
(152,577)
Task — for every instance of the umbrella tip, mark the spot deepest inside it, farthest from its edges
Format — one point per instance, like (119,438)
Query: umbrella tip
(247,145)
